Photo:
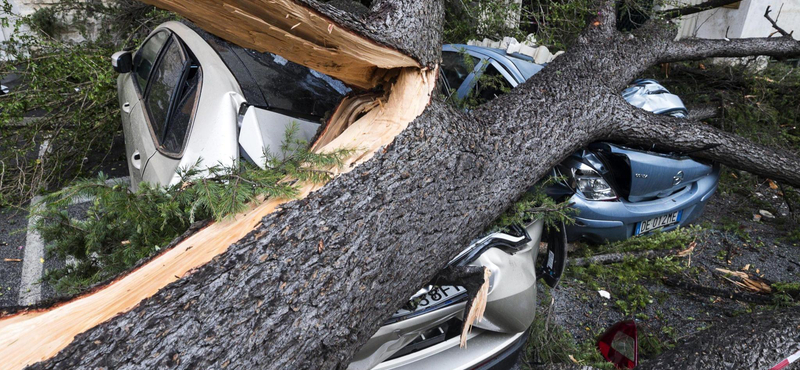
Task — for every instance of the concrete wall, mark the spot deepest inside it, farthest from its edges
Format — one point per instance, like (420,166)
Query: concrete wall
(746,21)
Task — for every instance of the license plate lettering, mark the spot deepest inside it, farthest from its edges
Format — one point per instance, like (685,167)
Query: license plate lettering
(438,294)
(658,222)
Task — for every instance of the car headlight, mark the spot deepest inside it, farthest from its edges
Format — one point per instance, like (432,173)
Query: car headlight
(593,186)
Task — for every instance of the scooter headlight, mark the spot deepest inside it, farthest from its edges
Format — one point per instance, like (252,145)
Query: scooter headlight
(591,185)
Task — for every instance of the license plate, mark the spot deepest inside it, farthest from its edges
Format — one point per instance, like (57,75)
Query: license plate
(432,298)
(658,222)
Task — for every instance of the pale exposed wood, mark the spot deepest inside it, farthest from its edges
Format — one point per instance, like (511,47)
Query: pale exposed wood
(34,336)
(295,32)
(349,110)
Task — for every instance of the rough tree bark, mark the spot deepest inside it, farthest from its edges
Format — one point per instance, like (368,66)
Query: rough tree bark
(321,274)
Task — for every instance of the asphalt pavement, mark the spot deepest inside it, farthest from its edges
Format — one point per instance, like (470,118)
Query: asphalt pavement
(24,259)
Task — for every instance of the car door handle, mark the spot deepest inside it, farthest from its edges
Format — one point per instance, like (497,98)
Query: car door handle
(136,160)
(126,107)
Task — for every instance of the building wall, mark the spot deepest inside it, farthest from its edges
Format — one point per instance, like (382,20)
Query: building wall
(746,21)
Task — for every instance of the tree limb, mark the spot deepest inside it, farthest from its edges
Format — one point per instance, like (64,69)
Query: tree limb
(701,112)
(708,5)
(775,24)
(701,289)
(636,126)
(697,49)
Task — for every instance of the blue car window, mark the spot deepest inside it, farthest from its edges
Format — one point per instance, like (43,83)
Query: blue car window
(490,85)
(456,67)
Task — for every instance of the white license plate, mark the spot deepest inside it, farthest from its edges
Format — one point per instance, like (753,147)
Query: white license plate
(432,298)
(658,222)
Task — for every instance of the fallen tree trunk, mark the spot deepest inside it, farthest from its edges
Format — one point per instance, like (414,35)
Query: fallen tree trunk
(314,278)
(755,341)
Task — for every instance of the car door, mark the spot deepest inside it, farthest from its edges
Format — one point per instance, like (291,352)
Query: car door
(132,87)
(458,69)
(169,102)
(490,81)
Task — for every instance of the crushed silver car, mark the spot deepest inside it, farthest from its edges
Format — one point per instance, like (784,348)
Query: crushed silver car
(186,95)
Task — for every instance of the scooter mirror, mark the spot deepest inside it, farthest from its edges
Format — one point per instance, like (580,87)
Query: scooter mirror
(619,345)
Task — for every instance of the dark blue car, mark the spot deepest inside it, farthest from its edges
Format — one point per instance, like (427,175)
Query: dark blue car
(618,191)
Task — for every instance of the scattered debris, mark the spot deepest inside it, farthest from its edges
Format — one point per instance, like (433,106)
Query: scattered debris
(604,294)
(700,289)
(766,213)
(745,281)
(12,260)
(605,259)
(756,217)
(528,47)
(687,251)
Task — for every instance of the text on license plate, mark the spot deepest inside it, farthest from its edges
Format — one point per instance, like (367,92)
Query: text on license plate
(433,297)
(658,222)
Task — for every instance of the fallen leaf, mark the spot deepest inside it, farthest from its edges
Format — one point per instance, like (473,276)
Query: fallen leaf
(41,260)
(702,66)
(772,184)
(687,251)
(746,267)
(573,358)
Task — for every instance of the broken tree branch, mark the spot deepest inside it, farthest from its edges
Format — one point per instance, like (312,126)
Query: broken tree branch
(708,5)
(697,49)
(704,290)
(636,126)
(702,112)
(605,259)
(774,23)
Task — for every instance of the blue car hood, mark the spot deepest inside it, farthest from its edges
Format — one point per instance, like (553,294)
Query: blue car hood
(652,175)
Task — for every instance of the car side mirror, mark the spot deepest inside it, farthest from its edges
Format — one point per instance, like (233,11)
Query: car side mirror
(619,345)
(122,61)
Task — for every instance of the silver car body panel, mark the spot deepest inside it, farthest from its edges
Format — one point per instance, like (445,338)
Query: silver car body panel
(134,128)
(510,310)
(263,131)
(212,139)
(653,97)
(482,346)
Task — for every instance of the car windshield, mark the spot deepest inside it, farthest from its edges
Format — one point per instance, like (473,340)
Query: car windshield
(271,81)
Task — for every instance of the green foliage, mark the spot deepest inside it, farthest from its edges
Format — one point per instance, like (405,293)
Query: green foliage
(66,95)
(122,227)
(557,23)
(465,20)
(45,21)
(624,279)
(679,238)
(536,205)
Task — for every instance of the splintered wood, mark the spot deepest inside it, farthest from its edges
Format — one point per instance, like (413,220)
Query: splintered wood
(296,33)
(33,336)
